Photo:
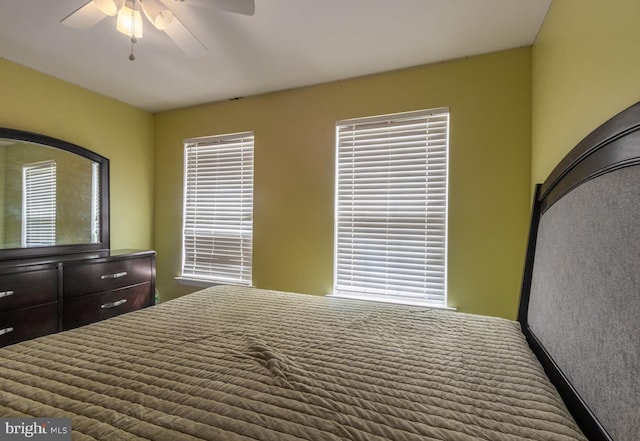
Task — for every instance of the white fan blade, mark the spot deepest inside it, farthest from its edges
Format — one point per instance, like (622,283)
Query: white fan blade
(157,13)
(245,7)
(84,17)
(185,39)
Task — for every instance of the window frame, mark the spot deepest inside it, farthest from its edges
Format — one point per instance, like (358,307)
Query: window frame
(224,230)
(342,287)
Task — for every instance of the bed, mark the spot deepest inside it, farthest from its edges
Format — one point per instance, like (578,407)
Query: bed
(234,363)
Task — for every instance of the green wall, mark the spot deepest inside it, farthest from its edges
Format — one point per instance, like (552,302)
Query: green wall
(39,103)
(489,97)
(586,69)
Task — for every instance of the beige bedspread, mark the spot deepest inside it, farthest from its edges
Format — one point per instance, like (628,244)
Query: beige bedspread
(230,363)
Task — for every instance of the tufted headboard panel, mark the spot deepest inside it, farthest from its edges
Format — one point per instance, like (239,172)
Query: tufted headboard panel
(580,305)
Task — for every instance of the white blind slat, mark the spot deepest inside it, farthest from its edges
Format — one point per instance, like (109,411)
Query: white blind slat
(391,206)
(218,211)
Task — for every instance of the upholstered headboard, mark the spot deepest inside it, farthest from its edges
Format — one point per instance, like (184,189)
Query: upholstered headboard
(580,303)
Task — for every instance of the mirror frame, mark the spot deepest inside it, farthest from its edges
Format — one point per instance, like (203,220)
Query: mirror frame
(48,141)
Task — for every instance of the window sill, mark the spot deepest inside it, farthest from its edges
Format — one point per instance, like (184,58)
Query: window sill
(204,283)
(196,282)
(390,299)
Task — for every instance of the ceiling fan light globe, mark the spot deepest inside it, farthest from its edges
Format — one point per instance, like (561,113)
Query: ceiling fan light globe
(129,22)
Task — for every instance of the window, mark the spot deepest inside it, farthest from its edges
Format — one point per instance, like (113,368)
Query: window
(95,202)
(218,209)
(391,207)
(39,204)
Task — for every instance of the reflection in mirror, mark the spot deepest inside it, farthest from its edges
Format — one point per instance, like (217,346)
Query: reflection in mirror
(48,196)
(39,204)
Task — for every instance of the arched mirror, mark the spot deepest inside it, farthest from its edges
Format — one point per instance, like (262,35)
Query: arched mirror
(54,196)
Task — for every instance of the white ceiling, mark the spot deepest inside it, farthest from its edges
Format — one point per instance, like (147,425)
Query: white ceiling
(285,44)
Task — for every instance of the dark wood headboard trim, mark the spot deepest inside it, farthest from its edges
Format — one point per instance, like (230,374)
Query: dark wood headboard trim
(613,145)
(605,149)
(525,290)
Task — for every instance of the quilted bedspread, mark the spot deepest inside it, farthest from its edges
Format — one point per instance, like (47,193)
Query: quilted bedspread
(230,363)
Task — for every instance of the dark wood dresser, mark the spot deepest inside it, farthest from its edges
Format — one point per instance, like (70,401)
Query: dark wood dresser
(40,296)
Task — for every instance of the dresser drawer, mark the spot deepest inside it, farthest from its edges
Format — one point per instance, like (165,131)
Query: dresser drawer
(78,311)
(27,323)
(87,278)
(28,288)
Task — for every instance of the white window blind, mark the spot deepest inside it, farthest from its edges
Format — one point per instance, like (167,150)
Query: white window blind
(218,209)
(39,204)
(95,202)
(391,207)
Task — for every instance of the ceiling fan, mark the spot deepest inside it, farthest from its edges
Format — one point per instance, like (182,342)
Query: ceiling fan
(129,18)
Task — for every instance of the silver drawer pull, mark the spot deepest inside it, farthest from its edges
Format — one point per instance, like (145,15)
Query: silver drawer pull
(5,331)
(114,276)
(113,304)
(5,294)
